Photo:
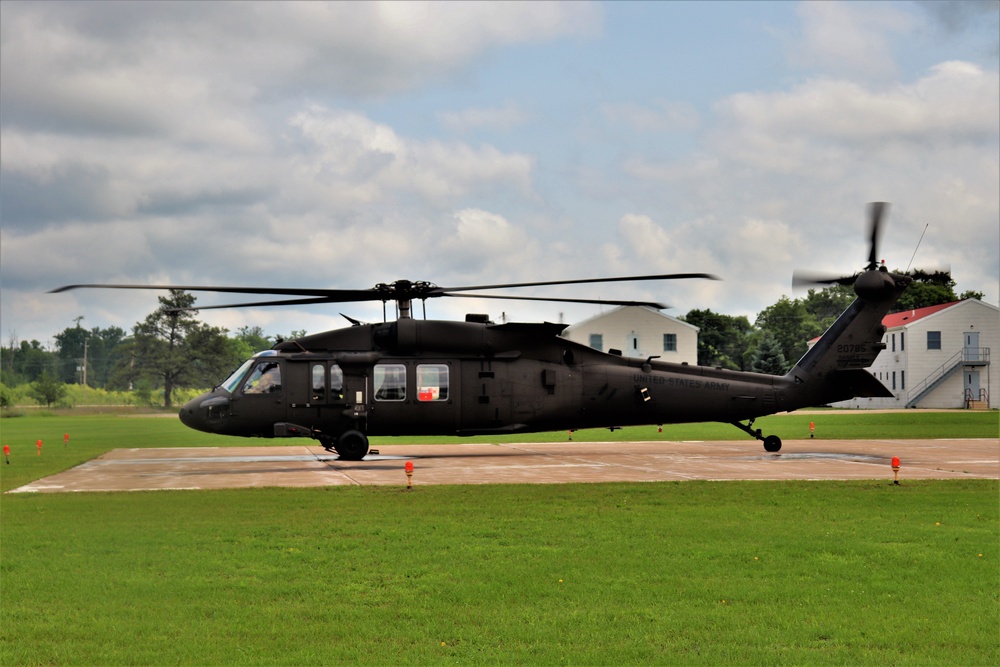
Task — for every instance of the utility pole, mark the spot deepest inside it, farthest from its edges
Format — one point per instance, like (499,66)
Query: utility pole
(85,342)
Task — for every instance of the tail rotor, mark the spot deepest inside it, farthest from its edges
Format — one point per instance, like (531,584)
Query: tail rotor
(874,280)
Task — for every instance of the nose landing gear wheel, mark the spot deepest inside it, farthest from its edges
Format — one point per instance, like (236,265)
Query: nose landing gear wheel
(772,443)
(352,445)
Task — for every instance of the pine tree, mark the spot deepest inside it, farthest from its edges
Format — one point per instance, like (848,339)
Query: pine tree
(172,346)
(768,357)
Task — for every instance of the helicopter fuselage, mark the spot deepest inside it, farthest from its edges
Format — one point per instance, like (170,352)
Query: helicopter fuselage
(419,377)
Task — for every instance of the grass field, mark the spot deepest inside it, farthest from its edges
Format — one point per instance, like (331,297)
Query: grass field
(662,573)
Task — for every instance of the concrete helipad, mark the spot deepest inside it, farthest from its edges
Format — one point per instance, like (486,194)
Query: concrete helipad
(554,463)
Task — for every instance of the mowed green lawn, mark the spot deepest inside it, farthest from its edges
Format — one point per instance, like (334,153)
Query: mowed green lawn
(666,573)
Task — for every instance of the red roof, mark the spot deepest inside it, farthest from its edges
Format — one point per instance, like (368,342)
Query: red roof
(893,320)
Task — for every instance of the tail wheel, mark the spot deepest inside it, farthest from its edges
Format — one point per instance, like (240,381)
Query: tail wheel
(772,443)
(352,445)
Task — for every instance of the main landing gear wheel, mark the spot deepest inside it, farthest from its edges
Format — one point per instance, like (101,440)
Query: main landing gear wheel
(772,443)
(352,445)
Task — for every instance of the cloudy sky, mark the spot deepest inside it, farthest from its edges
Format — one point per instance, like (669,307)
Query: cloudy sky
(343,145)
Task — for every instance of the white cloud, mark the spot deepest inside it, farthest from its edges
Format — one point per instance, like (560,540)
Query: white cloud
(955,102)
(480,242)
(846,38)
(358,160)
(193,69)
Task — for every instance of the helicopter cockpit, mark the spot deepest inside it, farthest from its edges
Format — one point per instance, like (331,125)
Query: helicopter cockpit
(232,383)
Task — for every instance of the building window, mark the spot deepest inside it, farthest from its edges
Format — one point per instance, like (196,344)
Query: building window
(669,342)
(390,382)
(933,340)
(432,382)
(893,342)
(894,380)
(902,380)
(902,341)
(597,342)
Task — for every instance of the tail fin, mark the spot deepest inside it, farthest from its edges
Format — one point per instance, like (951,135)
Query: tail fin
(834,368)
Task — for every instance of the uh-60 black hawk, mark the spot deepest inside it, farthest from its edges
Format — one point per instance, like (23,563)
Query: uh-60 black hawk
(431,377)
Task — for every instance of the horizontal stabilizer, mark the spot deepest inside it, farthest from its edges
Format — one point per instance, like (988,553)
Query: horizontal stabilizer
(858,383)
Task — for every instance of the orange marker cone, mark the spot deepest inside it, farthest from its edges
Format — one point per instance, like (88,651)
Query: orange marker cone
(409,475)
(6,453)
(39,445)
(895,470)
(65,439)
(812,429)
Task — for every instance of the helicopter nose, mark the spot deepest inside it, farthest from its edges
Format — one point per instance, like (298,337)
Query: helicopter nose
(198,412)
(190,413)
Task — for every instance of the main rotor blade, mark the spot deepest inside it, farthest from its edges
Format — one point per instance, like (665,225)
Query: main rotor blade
(258,304)
(584,281)
(603,302)
(396,291)
(332,295)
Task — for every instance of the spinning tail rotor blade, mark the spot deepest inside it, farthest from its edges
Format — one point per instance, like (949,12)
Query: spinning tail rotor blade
(810,279)
(875,212)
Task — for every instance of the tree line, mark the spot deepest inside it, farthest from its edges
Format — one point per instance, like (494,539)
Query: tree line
(171,349)
(168,350)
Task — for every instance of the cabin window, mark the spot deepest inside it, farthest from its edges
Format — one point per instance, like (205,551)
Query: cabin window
(670,342)
(432,382)
(265,379)
(318,382)
(390,382)
(597,342)
(336,381)
(933,340)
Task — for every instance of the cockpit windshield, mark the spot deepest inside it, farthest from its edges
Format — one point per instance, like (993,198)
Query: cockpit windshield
(233,380)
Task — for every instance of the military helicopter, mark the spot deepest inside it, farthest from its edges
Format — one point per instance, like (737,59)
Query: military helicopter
(433,377)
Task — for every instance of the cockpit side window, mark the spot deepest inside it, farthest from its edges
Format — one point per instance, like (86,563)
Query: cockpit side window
(265,379)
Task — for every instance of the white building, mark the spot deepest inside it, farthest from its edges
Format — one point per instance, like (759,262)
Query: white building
(638,331)
(938,357)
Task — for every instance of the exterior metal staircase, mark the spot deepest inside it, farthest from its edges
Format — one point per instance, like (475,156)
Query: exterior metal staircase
(964,358)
